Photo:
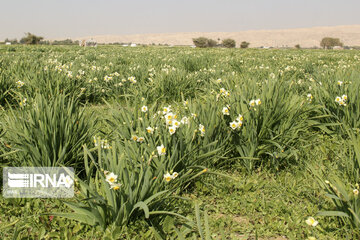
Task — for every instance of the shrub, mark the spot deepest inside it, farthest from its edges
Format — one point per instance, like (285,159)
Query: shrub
(201,42)
(229,43)
(212,43)
(244,44)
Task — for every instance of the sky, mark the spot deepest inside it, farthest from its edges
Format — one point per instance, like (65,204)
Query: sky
(61,19)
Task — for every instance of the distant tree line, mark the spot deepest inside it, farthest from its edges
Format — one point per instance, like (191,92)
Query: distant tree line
(65,42)
(203,42)
(200,42)
(32,39)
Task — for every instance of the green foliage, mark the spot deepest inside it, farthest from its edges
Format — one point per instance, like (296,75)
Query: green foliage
(200,42)
(276,129)
(48,132)
(65,42)
(203,42)
(347,202)
(328,42)
(142,191)
(342,185)
(298,120)
(211,43)
(31,39)
(229,43)
(12,41)
(244,44)
(186,148)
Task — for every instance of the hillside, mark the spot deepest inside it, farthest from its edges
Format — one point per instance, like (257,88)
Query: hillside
(306,37)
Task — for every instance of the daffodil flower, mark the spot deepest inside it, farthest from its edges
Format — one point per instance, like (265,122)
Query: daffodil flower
(202,130)
(356,192)
(172,130)
(225,111)
(167,177)
(135,138)
(240,118)
(141,139)
(111,178)
(252,103)
(311,222)
(150,130)
(161,150)
(234,125)
(184,120)
(144,109)
(20,84)
(176,124)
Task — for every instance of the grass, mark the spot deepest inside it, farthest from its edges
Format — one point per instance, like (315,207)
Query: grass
(263,204)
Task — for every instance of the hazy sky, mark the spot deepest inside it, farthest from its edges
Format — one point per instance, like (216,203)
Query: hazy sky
(77,18)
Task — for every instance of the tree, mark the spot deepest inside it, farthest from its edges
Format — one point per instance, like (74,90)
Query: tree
(229,43)
(31,39)
(200,42)
(297,46)
(328,42)
(211,43)
(203,42)
(65,42)
(244,44)
(12,41)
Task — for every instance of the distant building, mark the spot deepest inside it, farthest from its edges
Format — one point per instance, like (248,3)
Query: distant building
(8,43)
(338,48)
(133,45)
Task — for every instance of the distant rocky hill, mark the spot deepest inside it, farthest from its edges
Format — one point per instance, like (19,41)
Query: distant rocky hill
(306,37)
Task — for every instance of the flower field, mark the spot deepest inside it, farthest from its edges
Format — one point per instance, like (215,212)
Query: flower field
(181,143)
